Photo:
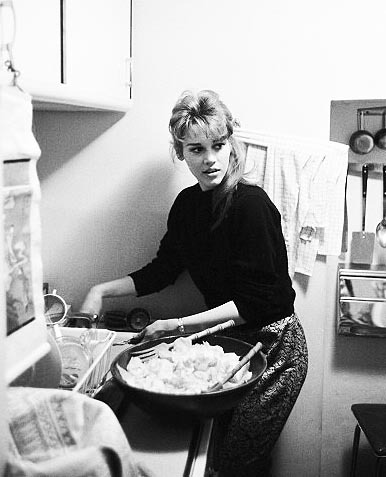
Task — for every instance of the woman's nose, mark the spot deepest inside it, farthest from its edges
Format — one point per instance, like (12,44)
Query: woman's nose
(209,157)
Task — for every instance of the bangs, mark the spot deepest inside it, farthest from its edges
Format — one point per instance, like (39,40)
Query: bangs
(213,128)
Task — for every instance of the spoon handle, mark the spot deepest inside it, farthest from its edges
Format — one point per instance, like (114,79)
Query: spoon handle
(384,191)
(365,174)
(217,386)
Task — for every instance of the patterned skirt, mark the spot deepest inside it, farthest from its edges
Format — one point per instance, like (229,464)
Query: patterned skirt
(243,438)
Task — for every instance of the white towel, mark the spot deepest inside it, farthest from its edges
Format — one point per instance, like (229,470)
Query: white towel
(58,433)
(17,139)
(306,181)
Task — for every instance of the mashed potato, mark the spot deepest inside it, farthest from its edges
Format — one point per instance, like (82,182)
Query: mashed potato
(186,369)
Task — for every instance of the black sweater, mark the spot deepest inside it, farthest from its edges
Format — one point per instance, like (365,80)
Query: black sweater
(243,260)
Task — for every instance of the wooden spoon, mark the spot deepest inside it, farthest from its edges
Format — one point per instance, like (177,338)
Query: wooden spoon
(217,386)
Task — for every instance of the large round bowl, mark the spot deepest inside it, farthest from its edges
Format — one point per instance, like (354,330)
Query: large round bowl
(199,405)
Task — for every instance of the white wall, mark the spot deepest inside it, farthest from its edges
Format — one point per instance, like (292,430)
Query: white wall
(108,181)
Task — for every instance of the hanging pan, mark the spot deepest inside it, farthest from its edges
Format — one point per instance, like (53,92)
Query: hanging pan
(380,136)
(361,141)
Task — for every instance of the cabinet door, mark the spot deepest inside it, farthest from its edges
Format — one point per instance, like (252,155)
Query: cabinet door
(37,48)
(97,46)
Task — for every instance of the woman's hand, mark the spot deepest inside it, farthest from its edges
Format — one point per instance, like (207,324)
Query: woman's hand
(120,287)
(158,329)
(92,303)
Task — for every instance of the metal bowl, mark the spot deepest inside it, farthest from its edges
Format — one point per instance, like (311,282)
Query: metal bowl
(199,405)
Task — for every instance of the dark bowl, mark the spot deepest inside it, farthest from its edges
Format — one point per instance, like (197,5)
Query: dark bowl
(198,405)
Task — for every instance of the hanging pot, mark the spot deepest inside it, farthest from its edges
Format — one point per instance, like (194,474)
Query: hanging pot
(361,141)
(380,136)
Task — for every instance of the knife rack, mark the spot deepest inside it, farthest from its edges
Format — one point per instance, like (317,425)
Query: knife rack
(361,293)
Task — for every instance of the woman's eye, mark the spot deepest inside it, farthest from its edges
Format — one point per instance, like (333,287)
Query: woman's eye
(195,150)
(218,146)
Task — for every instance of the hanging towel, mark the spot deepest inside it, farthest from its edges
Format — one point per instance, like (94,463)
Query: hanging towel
(17,139)
(23,270)
(306,181)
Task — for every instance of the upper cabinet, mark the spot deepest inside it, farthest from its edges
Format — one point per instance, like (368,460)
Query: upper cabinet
(36,48)
(74,54)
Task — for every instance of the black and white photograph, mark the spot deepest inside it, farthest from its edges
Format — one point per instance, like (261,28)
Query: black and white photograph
(193,236)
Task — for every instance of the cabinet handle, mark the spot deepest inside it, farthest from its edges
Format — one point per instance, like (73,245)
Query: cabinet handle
(129,72)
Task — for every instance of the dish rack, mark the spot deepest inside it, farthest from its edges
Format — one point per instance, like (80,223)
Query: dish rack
(361,300)
(101,345)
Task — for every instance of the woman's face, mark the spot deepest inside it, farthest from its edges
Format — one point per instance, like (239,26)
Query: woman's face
(207,158)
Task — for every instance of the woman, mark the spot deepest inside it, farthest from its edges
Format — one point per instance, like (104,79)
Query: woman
(228,235)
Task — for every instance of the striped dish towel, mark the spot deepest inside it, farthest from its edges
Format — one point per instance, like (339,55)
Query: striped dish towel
(306,181)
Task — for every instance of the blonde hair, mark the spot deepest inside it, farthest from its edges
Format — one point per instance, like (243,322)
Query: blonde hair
(206,112)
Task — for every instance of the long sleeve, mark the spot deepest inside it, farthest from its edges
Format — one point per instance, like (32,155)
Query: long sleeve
(243,260)
(164,269)
(260,285)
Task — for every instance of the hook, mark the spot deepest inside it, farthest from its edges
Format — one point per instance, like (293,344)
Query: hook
(8,45)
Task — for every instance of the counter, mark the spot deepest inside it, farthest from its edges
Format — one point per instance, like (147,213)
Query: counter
(172,447)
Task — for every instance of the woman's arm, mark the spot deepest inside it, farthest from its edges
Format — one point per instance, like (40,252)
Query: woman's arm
(119,287)
(208,318)
(192,323)
(162,271)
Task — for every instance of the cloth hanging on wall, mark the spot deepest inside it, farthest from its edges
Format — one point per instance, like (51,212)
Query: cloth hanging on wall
(17,140)
(306,180)
(23,271)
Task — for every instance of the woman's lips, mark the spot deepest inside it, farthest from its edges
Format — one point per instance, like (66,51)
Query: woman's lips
(211,171)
